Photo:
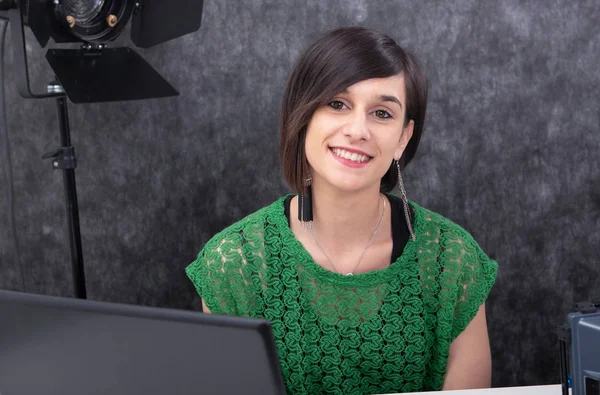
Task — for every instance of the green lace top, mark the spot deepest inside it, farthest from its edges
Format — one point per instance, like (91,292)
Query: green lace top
(377,332)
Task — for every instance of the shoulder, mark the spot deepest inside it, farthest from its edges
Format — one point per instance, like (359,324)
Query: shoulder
(246,229)
(465,274)
(427,221)
(430,223)
(221,268)
(455,246)
(231,248)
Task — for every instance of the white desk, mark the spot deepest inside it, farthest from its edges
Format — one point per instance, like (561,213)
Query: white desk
(531,390)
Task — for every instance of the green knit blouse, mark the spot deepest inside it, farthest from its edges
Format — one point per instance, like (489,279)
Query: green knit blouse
(377,332)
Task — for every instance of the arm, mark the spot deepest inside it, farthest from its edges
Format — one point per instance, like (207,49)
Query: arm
(470,361)
(204,308)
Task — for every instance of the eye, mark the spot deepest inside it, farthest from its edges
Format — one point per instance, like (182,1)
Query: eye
(336,105)
(383,114)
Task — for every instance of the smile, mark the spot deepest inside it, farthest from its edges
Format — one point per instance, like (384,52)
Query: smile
(351,156)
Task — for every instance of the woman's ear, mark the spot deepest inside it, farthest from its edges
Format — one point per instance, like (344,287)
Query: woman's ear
(405,137)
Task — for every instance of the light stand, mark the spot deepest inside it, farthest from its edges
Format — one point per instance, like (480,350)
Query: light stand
(63,158)
(94,73)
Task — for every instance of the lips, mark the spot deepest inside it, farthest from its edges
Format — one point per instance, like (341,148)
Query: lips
(351,155)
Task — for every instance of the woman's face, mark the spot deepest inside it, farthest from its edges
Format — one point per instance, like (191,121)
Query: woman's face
(352,140)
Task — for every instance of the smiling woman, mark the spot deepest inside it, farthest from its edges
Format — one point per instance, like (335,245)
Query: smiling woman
(366,291)
(359,129)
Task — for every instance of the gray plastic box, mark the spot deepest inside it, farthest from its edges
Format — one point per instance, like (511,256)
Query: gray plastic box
(585,353)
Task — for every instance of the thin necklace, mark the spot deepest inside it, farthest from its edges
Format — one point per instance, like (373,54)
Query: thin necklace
(362,253)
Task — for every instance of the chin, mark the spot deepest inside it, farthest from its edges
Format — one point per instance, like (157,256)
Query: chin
(350,186)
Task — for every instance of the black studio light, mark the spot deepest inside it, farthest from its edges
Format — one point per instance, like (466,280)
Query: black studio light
(95,72)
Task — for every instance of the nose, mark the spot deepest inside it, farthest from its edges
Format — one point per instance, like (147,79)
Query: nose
(357,127)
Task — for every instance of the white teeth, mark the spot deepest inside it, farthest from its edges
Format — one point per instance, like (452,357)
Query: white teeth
(350,156)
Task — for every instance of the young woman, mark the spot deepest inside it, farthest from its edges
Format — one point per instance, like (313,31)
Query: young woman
(366,292)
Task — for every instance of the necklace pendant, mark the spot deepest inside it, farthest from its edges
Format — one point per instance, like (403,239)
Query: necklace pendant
(308,228)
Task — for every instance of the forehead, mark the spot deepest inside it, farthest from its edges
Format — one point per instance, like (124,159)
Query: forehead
(390,86)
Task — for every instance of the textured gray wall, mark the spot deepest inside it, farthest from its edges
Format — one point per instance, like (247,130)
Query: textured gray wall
(510,152)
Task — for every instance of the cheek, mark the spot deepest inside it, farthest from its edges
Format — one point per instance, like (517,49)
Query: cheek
(310,143)
(387,139)
(314,134)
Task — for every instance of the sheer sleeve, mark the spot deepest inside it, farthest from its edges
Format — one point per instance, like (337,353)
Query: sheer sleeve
(208,275)
(229,271)
(475,274)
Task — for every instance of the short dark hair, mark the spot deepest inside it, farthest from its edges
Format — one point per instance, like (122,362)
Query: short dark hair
(335,61)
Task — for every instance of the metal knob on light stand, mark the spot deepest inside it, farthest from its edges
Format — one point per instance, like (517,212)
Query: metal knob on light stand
(55,87)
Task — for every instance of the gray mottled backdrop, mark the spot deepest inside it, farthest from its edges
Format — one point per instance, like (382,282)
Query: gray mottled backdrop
(509,152)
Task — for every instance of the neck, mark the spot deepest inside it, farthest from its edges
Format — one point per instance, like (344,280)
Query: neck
(342,219)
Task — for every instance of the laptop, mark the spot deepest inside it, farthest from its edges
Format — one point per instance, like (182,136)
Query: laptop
(61,346)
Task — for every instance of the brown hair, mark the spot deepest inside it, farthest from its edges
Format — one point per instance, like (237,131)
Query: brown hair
(335,61)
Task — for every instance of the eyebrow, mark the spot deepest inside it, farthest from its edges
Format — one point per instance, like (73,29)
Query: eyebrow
(385,98)
(390,98)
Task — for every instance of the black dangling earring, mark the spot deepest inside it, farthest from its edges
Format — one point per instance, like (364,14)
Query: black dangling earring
(305,209)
